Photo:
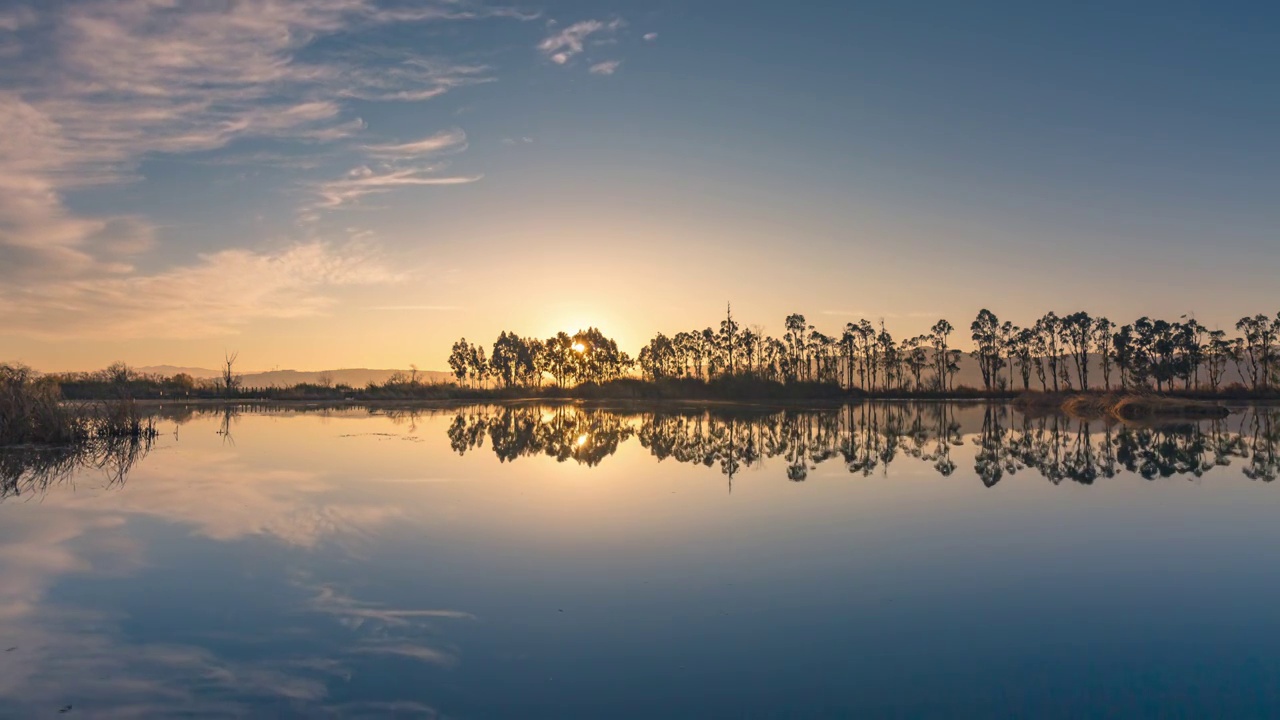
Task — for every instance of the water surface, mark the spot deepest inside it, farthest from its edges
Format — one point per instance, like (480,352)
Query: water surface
(896,560)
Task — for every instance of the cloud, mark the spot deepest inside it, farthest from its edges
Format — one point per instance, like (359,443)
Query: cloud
(447,141)
(219,294)
(15,19)
(561,46)
(363,181)
(429,308)
(650,37)
(607,67)
(105,84)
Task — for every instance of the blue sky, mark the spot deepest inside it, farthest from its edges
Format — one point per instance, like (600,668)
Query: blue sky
(358,182)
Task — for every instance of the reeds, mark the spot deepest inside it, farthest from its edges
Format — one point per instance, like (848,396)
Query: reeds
(32,412)
(1121,406)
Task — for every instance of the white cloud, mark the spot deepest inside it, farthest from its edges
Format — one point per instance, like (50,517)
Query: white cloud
(219,294)
(363,181)
(447,141)
(105,84)
(607,67)
(563,45)
(650,37)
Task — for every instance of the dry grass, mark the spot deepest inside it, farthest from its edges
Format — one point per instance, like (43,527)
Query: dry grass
(1122,406)
(32,411)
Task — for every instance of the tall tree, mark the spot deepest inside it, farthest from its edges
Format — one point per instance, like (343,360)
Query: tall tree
(1078,331)
(986,341)
(939,333)
(728,338)
(459,359)
(1102,329)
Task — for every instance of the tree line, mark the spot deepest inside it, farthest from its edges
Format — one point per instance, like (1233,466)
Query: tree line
(1055,353)
(585,356)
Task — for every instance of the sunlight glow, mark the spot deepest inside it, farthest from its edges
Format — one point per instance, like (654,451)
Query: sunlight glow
(582,440)
(579,347)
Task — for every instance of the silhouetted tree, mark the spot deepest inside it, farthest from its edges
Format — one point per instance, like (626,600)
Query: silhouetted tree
(230,380)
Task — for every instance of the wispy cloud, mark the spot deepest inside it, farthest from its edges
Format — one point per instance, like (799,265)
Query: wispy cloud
(447,141)
(411,308)
(364,181)
(608,67)
(105,84)
(650,37)
(563,45)
(15,19)
(219,294)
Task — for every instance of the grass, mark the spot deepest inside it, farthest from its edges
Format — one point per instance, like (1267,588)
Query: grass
(33,412)
(1120,405)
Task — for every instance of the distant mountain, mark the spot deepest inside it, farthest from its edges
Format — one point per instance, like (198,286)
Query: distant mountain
(355,377)
(171,370)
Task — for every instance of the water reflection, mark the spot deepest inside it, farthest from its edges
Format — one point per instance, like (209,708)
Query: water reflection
(33,470)
(868,438)
(344,562)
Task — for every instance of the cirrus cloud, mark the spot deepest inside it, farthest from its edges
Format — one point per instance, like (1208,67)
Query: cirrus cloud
(96,87)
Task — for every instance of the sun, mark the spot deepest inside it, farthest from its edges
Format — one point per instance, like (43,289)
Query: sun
(579,347)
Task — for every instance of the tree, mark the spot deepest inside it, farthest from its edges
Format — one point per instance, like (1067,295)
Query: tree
(940,332)
(1102,329)
(1050,329)
(459,359)
(477,366)
(986,340)
(1217,353)
(230,380)
(795,341)
(558,358)
(1259,347)
(505,358)
(728,337)
(1122,351)
(917,357)
(1022,345)
(1078,330)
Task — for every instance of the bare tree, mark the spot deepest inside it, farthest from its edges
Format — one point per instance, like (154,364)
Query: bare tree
(230,380)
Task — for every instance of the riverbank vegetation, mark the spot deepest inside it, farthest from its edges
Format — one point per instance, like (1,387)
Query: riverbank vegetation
(33,411)
(1120,406)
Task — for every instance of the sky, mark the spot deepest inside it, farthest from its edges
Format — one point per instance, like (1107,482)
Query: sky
(358,183)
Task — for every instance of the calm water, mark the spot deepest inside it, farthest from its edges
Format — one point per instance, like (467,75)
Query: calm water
(877,561)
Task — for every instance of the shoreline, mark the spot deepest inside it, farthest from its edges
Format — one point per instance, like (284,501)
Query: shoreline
(1093,403)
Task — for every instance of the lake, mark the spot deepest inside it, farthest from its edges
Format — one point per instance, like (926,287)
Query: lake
(879,560)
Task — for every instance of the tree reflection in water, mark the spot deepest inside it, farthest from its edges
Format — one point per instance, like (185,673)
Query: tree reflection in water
(866,438)
(562,432)
(869,437)
(32,470)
